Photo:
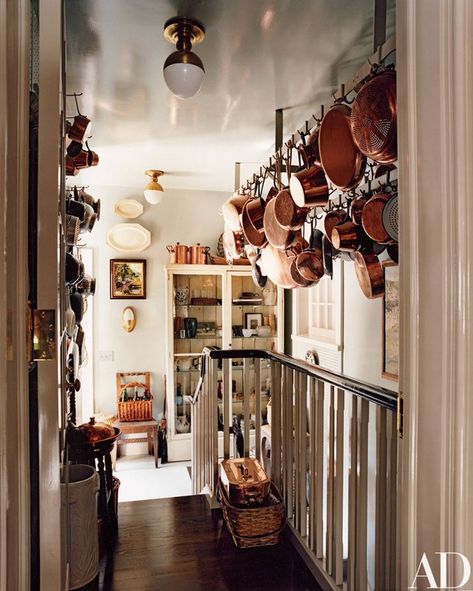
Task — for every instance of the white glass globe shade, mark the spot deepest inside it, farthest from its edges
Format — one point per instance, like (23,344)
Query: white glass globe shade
(153,197)
(183,80)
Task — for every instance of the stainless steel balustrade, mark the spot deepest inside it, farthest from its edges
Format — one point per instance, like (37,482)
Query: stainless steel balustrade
(333,456)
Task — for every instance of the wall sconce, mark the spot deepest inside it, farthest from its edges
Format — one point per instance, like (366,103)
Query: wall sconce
(128,319)
(183,69)
(153,190)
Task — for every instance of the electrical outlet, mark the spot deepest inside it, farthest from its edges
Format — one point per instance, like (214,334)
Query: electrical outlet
(105,355)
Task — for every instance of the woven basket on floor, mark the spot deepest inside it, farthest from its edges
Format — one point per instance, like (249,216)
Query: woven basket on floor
(255,526)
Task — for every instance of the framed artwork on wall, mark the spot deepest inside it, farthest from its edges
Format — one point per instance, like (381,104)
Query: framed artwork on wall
(127,279)
(253,320)
(390,342)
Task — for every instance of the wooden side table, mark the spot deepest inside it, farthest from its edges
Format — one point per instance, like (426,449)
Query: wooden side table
(148,427)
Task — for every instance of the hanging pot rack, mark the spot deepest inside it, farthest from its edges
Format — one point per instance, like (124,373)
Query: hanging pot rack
(284,153)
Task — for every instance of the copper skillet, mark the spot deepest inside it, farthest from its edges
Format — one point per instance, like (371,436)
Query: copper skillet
(341,159)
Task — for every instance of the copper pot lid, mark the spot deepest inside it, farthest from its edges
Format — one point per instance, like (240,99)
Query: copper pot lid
(372,218)
(277,236)
(374,119)
(341,159)
(369,273)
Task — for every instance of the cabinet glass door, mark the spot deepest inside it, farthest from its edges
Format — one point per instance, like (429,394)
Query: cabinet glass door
(197,323)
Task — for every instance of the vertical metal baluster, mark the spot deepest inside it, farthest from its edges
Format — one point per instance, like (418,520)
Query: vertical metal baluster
(226,400)
(257,363)
(313,466)
(338,488)
(352,497)
(303,454)
(284,372)
(391,488)
(297,450)
(319,472)
(276,423)
(246,407)
(381,523)
(330,471)
(194,447)
(205,418)
(362,498)
(288,441)
(214,426)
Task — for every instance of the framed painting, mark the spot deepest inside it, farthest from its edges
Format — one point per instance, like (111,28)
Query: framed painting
(127,279)
(390,342)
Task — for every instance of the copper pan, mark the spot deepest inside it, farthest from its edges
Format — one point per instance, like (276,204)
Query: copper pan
(289,215)
(374,118)
(232,209)
(369,273)
(310,261)
(309,187)
(232,244)
(80,129)
(277,236)
(276,265)
(372,218)
(252,236)
(254,210)
(298,278)
(332,218)
(309,150)
(342,161)
(356,209)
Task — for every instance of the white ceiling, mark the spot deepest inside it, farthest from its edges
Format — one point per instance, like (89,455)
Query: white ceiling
(259,55)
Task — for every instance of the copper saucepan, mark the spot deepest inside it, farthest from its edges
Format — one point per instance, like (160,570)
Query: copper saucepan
(254,211)
(310,261)
(289,215)
(252,236)
(372,218)
(232,209)
(276,265)
(309,187)
(356,209)
(80,129)
(369,273)
(332,218)
(309,150)
(341,159)
(277,236)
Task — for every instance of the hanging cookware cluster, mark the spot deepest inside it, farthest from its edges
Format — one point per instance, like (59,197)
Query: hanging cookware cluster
(78,153)
(351,145)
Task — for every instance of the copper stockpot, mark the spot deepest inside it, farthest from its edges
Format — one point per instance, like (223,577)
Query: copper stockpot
(341,159)
(369,273)
(232,209)
(179,254)
(198,254)
(289,215)
(309,187)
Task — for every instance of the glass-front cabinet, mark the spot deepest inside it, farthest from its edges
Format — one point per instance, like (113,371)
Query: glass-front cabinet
(215,306)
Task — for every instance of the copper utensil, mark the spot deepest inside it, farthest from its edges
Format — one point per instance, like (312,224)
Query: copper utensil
(289,215)
(372,218)
(179,254)
(252,236)
(309,187)
(332,218)
(341,159)
(198,254)
(310,261)
(254,210)
(309,151)
(80,129)
(369,273)
(233,244)
(276,265)
(345,236)
(298,277)
(277,236)
(232,209)
(356,209)
(374,119)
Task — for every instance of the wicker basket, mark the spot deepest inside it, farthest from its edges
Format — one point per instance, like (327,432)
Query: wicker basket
(255,526)
(134,410)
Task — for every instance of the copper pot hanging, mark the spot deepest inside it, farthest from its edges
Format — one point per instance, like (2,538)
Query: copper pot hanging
(374,118)
(332,218)
(252,236)
(341,159)
(289,215)
(372,218)
(310,261)
(356,209)
(254,212)
(233,244)
(369,273)
(277,236)
(309,150)
(232,209)
(309,187)
(276,265)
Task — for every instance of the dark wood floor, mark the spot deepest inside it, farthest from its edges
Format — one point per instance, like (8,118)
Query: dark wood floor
(180,544)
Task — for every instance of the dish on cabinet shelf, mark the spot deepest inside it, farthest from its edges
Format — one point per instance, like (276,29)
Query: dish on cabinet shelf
(128,209)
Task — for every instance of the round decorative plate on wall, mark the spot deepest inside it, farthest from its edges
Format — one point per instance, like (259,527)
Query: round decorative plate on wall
(128,238)
(128,209)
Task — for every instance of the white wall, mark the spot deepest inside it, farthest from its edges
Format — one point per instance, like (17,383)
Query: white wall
(182,216)
(362,336)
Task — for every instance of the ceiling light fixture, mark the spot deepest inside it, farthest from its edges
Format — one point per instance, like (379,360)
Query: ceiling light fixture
(153,190)
(183,70)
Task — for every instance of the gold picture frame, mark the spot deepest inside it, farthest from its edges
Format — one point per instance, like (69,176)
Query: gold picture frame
(127,279)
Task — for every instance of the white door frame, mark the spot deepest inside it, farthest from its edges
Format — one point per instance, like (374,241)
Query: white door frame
(435,116)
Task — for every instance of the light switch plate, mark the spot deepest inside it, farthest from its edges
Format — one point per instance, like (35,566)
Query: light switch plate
(105,355)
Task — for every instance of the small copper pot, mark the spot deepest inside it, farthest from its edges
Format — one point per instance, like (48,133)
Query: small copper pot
(252,236)
(254,210)
(232,209)
(198,254)
(356,210)
(345,236)
(309,187)
(372,218)
(333,218)
(179,254)
(309,150)
(369,273)
(310,261)
(80,129)
(277,236)
(289,215)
